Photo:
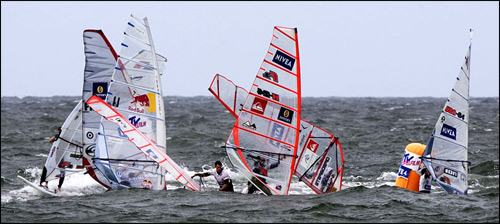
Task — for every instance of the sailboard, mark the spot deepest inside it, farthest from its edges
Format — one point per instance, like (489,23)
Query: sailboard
(65,156)
(319,153)
(445,155)
(38,187)
(100,61)
(135,94)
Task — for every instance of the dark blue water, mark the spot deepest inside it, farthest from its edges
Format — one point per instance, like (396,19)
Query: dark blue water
(373,133)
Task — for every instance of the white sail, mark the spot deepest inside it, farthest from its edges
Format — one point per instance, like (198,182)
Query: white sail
(319,153)
(446,153)
(66,152)
(100,58)
(135,93)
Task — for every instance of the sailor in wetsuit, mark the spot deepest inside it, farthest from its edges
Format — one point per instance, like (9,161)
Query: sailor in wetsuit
(220,175)
(260,166)
(43,182)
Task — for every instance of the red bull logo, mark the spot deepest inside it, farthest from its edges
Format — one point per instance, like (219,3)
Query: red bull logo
(147,184)
(143,100)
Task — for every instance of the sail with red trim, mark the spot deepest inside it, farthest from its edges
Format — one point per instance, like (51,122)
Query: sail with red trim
(100,58)
(148,147)
(320,159)
(230,95)
(445,155)
(320,164)
(265,134)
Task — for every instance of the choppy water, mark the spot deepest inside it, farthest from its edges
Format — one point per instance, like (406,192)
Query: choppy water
(373,133)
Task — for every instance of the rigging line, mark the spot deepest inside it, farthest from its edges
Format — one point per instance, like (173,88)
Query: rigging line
(132,160)
(447,160)
(251,150)
(71,143)
(319,157)
(202,183)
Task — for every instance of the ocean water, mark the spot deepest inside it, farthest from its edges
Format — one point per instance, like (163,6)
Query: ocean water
(373,133)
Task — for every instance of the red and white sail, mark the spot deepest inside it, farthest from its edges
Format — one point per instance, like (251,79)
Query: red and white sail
(143,143)
(268,124)
(320,157)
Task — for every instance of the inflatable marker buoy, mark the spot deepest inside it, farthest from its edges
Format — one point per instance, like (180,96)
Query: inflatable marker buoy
(407,175)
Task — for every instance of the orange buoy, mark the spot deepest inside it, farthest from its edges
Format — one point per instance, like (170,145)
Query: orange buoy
(407,175)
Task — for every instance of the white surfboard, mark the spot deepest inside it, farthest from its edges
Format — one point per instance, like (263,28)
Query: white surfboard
(37,187)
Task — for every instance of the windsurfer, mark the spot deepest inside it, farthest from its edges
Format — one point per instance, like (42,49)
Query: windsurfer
(260,166)
(220,175)
(44,171)
(425,180)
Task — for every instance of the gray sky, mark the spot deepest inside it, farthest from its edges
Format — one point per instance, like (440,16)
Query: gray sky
(353,49)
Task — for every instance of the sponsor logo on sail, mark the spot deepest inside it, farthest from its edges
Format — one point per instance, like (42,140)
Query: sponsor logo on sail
(147,184)
(248,125)
(258,105)
(135,121)
(285,115)
(271,75)
(276,133)
(284,60)
(451,172)
(454,112)
(142,100)
(449,131)
(312,145)
(150,153)
(325,164)
(100,89)
(268,94)
(52,151)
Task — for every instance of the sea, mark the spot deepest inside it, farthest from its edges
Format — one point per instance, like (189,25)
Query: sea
(373,133)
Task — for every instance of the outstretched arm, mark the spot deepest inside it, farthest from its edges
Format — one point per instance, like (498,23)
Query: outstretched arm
(201,175)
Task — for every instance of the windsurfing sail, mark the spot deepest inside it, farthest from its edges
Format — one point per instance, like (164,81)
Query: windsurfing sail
(135,93)
(66,152)
(322,160)
(268,124)
(100,58)
(446,153)
(142,142)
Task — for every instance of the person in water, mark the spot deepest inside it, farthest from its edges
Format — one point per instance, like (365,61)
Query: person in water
(220,175)
(260,166)
(425,180)
(43,182)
